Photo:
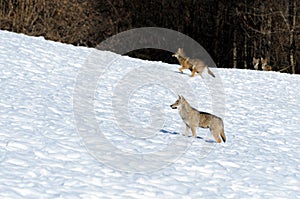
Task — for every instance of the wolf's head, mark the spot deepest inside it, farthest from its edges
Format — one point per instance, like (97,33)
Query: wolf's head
(178,53)
(178,103)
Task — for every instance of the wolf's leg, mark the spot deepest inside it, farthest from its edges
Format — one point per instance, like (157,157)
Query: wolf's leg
(187,128)
(216,135)
(200,73)
(194,131)
(193,72)
(180,69)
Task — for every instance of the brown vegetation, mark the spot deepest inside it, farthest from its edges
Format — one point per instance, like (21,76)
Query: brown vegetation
(233,32)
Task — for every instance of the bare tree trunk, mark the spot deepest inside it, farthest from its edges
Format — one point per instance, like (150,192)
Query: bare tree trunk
(269,37)
(234,48)
(291,38)
(292,53)
(245,52)
(245,42)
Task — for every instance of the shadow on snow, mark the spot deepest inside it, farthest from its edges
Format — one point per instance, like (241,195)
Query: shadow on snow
(176,133)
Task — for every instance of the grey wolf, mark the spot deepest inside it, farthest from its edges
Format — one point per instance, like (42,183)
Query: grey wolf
(194,118)
(194,65)
(255,63)
(263,62)
(264,65)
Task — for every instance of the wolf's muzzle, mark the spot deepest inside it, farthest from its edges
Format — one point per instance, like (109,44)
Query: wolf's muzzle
(173,107)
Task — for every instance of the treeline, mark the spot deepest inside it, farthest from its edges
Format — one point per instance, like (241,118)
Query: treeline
(233,32)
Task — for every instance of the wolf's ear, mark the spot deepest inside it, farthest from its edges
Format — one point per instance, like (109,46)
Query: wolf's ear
(181,97)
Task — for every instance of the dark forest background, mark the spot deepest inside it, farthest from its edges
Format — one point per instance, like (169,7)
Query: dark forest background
(233,32)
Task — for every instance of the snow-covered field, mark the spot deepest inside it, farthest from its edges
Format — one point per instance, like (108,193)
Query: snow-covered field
(42,155)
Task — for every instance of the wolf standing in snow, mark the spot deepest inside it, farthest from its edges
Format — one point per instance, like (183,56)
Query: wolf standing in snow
(195,65)
(194,118)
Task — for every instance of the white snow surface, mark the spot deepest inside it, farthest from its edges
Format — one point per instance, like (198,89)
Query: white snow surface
(43,156)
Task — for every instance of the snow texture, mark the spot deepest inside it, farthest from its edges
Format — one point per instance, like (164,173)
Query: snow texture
(43,156)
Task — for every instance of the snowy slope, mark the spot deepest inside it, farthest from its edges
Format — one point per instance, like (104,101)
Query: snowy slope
(43,156)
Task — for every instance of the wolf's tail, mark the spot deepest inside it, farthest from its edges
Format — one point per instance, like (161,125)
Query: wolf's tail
(223,135)
(209,72)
